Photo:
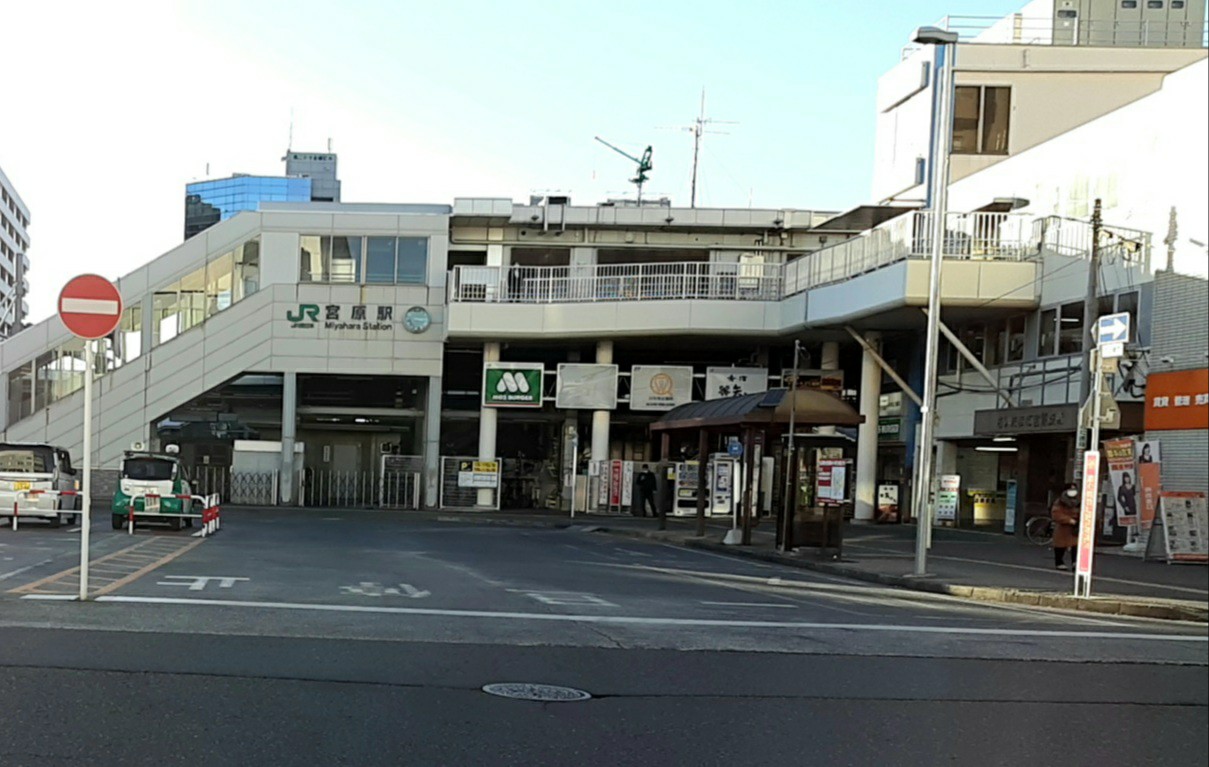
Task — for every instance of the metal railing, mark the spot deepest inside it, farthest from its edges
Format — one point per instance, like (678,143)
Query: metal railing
(1018,29)
(361,489)
(998,236)
(247,488)
(733,281)
(1072,237)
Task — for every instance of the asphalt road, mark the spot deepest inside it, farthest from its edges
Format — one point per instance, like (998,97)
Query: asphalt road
(352,638)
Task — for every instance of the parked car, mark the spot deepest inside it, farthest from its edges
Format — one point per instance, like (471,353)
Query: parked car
(157,486)
(39,481)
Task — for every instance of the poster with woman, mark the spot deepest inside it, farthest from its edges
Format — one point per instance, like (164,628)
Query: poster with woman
(1122,468)
(1150,481)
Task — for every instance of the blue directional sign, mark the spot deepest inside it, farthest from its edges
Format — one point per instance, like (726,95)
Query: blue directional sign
(1112,329)
(735,449)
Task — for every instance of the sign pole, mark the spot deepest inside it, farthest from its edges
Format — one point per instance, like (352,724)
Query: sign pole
(86,490)
(1091,486)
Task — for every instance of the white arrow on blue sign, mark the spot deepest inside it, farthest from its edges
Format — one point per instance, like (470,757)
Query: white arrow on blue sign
(1112,328)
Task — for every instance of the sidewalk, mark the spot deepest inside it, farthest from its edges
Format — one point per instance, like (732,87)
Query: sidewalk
(975,565)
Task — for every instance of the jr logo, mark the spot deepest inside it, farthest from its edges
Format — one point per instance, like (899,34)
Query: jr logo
(306,315)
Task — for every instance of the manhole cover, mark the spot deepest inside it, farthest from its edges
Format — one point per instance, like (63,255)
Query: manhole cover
(542,692)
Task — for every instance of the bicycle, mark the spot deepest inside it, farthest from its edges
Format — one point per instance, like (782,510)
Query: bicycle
(1039,530)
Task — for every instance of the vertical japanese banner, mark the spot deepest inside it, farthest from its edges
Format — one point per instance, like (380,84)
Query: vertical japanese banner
(1150,480)
(1122,469)
(1087,520)
(627,483)
(615,483)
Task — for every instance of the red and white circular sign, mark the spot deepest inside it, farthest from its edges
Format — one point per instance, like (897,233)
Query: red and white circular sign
(90,306)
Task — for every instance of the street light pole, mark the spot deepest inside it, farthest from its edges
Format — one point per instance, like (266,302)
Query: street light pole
(944,42)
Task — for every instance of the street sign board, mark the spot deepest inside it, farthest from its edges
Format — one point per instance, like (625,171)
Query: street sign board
(90,306)
(479,474)
(1112,328)
(1087,522)
(734,449)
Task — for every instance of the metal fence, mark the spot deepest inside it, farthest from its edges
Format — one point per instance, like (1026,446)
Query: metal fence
(1072,237)
(1019,29)
(734,281)
(237,487)
(361,489)
(998,236)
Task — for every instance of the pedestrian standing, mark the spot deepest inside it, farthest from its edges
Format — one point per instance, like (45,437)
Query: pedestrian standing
(646,491)
(1065,516)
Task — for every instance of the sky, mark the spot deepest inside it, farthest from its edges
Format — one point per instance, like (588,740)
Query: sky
(112,107)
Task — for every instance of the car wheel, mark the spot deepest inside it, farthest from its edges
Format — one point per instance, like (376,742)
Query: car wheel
(177,523)
(54,521)
(118,521)
(188,522)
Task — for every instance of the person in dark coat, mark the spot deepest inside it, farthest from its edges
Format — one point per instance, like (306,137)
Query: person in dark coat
(647,483)
(1065,515)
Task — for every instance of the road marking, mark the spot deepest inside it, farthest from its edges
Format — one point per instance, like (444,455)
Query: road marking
(19,570)
(199,582)
(644,621)
(156,549)
(565,598)
(375,589)
(749,604)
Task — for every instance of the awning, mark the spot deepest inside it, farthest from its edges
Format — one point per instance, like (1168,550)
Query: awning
(811,408)
(862,218)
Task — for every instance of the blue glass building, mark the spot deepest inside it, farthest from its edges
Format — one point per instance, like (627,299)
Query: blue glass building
(208,202)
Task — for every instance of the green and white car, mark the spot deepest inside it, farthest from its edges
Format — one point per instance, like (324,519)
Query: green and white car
(152,483)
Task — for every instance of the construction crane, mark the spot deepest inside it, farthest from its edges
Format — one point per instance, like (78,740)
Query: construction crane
(644,165)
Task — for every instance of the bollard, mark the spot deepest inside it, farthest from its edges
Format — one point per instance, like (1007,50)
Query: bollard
(16,511)
(130,515)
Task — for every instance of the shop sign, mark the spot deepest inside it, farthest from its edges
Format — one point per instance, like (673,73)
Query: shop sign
(947,497)
(1178,400)
(660,387)
(721,383)
(1087,522)
(1026,420)
(586,387)
(889,429)
(342,317)
(1122,472)
(481,475)
(512,384)
(890,404)
(1184,527)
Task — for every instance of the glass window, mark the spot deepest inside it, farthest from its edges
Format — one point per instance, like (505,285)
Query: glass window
(1129,3)
(21,393)
(996,343)
(1177,4)
(193,299)
(165,310)
(130,334)
(974,337)
(1046,335)
(1154,4)
(247,269)
(965,119)
(310,252)
(380,259)
(996,106)
(946,357)
(27,459)
(219,273)
(69,369)
(345,261)
(1015,339)
(413,260)
(1070,332)
(1128,302)
(44,374)
(1106,305)
(981,116)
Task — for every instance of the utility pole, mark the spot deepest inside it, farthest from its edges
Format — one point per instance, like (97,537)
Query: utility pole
(1091,310)
(788,501)
(699,129)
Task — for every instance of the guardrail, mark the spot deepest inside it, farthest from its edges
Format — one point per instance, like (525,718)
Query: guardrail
(210,514)
(54,515)
(1019,29)
(734,281)
(996,236)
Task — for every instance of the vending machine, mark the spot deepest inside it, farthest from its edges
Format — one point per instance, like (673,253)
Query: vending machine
(725,481)
(684,487)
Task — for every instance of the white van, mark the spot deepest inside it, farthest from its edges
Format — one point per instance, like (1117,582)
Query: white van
(26,469)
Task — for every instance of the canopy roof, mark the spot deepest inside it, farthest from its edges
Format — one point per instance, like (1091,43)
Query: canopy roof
(811,408)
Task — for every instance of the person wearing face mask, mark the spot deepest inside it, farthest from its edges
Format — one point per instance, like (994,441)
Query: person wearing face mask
(1065,514)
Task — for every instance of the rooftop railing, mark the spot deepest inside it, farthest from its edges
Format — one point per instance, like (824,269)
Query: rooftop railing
(1018,29)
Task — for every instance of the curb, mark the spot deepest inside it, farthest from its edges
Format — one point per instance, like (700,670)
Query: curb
(1171,610)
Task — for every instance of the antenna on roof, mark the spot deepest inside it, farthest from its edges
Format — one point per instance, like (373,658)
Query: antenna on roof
(290,143)
(698,129)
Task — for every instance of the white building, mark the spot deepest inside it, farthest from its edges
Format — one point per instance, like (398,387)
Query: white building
(14,263)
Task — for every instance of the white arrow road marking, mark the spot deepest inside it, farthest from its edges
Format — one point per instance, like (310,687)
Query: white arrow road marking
(199,582)
(375,589)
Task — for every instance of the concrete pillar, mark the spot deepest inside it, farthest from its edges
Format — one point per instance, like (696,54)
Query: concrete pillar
(830,361)
(289,431)
(488,418)
(600,418)
(866,441)
(432,444)
(946,457)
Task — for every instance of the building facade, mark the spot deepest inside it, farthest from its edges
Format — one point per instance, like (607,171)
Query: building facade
(309,177)
(14,261)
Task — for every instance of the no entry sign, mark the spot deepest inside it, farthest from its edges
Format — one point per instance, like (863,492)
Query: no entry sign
(90,306)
